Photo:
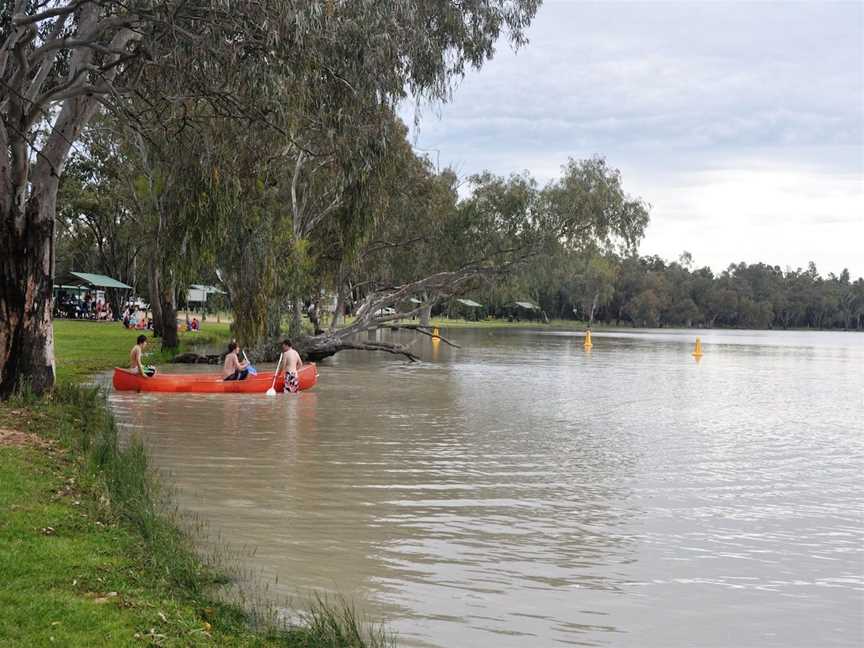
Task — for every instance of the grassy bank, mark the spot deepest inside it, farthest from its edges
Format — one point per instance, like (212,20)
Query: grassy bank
(90,554)
(84,347)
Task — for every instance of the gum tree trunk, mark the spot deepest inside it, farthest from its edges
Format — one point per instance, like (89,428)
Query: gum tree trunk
(31,166)
(296,328)
(27,208)
(169,317)
(339,310)
(155,294)
(26,290)
(426,311)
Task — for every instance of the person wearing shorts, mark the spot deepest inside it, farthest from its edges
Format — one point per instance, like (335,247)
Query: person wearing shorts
(291,362)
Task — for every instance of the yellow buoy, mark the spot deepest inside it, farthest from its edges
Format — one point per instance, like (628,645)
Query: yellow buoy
(436,333)
(697,351)
(588,344)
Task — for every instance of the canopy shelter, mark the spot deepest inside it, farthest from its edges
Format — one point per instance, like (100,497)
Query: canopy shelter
(198,293)
(468,307)
(71,300)
(90,280)
(197,296)
(523,309)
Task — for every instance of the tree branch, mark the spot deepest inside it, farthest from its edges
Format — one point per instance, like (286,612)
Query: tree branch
(377,246)
(89,39)
(442,284)
(47,63)
(295,208)
(386,347)
(421,329)
(12,38)
(5,171)
(20,18)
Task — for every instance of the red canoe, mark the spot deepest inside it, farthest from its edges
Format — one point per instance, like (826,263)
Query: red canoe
(209,383)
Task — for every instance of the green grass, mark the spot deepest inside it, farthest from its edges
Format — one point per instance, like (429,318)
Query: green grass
(90,552)
(83,347)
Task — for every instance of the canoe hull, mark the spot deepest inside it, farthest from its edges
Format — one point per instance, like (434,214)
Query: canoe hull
(209,383)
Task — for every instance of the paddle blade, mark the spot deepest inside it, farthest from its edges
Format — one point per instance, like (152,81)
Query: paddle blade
(271,392)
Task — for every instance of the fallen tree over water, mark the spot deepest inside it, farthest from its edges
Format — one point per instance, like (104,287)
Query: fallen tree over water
(370,316)
(414,259)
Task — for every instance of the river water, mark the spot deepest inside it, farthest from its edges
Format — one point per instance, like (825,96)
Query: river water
(520,491)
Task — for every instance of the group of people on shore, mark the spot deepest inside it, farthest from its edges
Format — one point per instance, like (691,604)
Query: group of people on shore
(133,319)
(234,368)
(89,307)
(102,311)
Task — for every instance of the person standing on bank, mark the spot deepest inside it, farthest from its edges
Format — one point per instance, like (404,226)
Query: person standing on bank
(291,363)
(234,368)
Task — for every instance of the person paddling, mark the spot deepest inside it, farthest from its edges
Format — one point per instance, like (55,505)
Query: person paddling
(291,363)
(234,368)
(135,359)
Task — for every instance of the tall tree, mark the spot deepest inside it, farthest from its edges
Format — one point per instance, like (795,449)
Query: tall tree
(597,284)
(95,227)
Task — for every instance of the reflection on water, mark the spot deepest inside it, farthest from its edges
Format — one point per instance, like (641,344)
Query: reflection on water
(522,492)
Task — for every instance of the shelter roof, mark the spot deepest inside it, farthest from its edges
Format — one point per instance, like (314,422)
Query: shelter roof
(527,305)
(207,289)
(92,279)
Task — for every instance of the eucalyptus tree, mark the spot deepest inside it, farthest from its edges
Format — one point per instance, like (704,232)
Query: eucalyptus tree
(170,175)
(596,284)
(95,226)
(255,256)
(409,238)
(588,206)
(61,59)
(438,247)
(364,228)
(585,217)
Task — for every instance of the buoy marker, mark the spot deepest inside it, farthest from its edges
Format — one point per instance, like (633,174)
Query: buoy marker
(436,333)
(697,350)
(588,344)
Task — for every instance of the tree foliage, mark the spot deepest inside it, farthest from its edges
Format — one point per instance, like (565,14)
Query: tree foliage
(648,291)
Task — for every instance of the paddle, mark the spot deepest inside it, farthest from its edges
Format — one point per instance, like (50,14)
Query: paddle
(252,370)
(272,390)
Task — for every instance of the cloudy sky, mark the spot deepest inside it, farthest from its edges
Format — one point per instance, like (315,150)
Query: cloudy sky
(742,124)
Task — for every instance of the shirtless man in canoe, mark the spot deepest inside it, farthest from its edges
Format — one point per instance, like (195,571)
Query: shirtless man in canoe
(135,357)
(291,363)
(234,368)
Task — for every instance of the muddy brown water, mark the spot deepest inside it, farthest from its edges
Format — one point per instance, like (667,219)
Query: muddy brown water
(522,492)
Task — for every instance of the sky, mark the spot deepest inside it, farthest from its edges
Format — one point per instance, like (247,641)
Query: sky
(741,124)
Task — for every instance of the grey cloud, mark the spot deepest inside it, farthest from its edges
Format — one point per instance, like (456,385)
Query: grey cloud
(612,76)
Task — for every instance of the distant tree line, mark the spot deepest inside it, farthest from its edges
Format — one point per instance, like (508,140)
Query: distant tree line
(649,291)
